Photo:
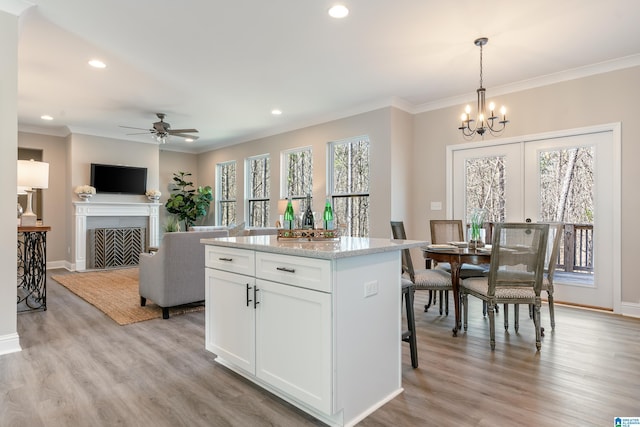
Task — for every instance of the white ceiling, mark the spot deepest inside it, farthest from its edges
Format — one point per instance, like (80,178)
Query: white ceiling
(222,66)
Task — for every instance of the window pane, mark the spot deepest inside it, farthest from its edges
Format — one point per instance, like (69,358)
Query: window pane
(258,170)
(351,214)
(567,179)
(227,213)
(351,167)
(227,192)
(259,174)
(258,213)
(350,185)
(299,173)
(485,187)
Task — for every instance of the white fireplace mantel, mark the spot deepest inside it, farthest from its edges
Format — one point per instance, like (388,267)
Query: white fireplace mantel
(82,210)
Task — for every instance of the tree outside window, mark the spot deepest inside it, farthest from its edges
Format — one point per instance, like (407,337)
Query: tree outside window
(226,192)
(485,184)
(297,173)
(258,175)
(349,184)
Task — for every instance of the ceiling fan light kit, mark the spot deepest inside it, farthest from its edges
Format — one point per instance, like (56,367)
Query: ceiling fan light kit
(161,131)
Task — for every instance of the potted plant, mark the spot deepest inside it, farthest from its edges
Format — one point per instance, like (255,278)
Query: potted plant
(187,202)
(85,192)
(477,232)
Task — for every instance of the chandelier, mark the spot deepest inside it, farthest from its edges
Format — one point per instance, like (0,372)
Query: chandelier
(485,121)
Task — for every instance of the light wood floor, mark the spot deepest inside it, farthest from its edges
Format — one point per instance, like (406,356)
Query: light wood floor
(79,368)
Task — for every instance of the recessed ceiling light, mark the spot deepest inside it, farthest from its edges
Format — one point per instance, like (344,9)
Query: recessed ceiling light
(338,11)
(46,117)
(276,112)
(96,63)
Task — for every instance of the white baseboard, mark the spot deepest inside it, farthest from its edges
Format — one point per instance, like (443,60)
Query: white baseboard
(630,309)
(10,344)
(60,264)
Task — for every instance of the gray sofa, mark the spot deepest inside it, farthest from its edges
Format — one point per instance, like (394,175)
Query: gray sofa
(174,275)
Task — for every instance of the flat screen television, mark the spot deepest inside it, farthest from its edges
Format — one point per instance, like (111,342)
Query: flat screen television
(118,179)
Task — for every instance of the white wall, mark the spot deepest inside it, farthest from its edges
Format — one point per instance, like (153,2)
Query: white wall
(9,341)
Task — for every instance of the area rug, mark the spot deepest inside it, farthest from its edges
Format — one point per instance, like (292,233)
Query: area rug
(115,293)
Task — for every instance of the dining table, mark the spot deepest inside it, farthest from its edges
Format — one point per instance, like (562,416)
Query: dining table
(456,257)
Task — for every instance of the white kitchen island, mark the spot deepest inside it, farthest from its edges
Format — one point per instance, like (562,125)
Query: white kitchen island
(316,323)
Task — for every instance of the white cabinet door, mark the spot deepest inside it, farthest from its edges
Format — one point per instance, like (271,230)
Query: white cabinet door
(230,318)
(293,342)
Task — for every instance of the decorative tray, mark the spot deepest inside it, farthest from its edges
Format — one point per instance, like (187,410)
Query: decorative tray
(304,234)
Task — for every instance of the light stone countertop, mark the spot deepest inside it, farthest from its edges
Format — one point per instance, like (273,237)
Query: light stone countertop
(343,248)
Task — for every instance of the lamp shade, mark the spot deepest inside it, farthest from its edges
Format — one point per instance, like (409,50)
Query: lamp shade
(33,174)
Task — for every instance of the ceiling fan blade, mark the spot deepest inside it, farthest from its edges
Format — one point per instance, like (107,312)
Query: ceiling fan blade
(140,133)
(184,135)
(130,127)
(175,131)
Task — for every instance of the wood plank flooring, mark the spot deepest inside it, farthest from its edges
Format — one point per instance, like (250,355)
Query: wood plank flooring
(79,368)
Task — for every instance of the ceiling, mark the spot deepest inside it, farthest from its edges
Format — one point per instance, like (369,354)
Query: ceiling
(222,66)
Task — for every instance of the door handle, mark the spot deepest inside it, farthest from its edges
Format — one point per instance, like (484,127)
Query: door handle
(255,297)
(248,299)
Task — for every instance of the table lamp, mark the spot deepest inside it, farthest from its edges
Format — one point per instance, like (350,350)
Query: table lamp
(31,176)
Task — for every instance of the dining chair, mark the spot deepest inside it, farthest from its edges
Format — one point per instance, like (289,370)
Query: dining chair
(445,231)
(423,279)
(515,273)
(550,261)
(409,334)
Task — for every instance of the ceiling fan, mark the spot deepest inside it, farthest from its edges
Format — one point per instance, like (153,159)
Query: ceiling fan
(162,130)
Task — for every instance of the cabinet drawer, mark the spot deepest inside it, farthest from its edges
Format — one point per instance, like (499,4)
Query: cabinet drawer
(307,273)
(239,261)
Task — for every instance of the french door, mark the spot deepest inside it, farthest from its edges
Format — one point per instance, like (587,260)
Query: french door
(535,179)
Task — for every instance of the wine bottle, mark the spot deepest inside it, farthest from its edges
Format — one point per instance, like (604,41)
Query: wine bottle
(288,215)
(307,220)
(327,216)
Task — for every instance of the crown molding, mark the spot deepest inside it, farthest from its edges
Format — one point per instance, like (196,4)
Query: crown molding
(60,131)
(15,7)
(546,80)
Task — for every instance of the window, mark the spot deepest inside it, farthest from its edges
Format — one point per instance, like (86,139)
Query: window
(297,173)
(226,194)
(348,182)
(258,190)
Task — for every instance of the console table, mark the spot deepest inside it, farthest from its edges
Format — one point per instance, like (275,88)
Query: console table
(32,268)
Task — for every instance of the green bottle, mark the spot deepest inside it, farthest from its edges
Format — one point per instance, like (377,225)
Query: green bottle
(307,220)
(327,216)
(288,215)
